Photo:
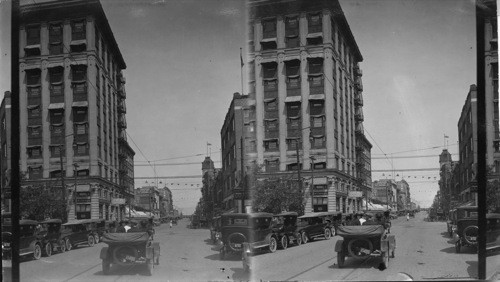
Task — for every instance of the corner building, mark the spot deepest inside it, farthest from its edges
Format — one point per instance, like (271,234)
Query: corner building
(72,107)
(305,93)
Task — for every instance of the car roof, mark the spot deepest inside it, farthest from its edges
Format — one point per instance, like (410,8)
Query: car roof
(467,208)
(286,213)
(52,220)
(493,215)
(257,214)
(315,214)
(78,221)
(28,222)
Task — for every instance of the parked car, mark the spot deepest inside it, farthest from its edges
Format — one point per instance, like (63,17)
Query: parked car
(314,225)
(252,228)
(215,229)
(6,235)
(466,230)
(285,229)
(78,232)
(493,234)
(29,239)
(50,236)
(451,222)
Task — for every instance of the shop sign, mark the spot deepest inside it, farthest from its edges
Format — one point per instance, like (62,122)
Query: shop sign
(355,194)
(117,201)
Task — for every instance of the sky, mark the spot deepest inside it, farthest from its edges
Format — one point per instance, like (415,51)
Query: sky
(183,66)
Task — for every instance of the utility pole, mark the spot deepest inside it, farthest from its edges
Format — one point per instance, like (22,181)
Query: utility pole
(312,182)
(74,193)
(298,165)
(243,180)
(63,186)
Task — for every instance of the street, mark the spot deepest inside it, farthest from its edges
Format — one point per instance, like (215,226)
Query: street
(186,254)
(423,252)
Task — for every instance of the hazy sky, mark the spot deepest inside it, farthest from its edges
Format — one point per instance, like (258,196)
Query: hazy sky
(183,66)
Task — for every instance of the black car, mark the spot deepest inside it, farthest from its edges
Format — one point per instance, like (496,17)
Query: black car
(254,229)
(493,234)
(29,239)
(285,229)
(314,225)
(50,236)
(77,232)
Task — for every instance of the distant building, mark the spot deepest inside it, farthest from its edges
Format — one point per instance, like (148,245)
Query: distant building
(166,202)
(5,151)
(404,200)
(72,106)
(447,181)
(386,191)
(148,199)
(305,100)
(233,137)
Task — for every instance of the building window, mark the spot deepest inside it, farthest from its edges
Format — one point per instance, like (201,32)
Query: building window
(271,145)
(316,107)
(81,149)
(82,172)
(79,82)
(272,165)
(35,172)
(79,114)
(292,144)
(33,78)
(32,41)
(271,106)
(56,117)
(55,151)
(318,142)
(320,165)
(55,39)
(34,112)
(317,121)
(269,28)
(314,23)
(293,167)
(56,85)
(34,131)
(35,152)
(81,129)
(292,32)
(78,30)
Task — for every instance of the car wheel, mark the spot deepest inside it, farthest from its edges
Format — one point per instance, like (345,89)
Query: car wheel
(340,259)
(106,266)
(69,246)
(273,245)
(327,233)
(304,237)
(37,252)
(62,246)
(48,249)
(284,242)
(91,241)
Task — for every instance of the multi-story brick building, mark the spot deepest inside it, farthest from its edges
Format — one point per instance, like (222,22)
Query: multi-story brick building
(305,97)
(386,191)
(5,151)
(72,106)
(233,169)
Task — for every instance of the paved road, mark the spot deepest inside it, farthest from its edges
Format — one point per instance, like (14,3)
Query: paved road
(424,252)
(186,254)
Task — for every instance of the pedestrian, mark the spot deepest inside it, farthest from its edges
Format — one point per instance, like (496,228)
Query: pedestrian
(407,216)
(363,219)
(355,220)
(127,226)
(170,223)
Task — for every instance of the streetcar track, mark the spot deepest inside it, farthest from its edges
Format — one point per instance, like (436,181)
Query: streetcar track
(309,269)
(78,274)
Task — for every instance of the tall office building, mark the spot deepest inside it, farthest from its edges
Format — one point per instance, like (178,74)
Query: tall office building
(5,150)
(72,107)
(305,97)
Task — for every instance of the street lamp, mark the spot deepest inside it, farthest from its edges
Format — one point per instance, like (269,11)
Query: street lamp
(312,181)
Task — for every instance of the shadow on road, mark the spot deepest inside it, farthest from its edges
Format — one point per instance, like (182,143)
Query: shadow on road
(240,274)
(126,270)
(472,269)
(351,263)
(228,257)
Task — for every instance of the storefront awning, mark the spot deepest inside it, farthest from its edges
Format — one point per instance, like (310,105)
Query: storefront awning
(55,106)
(317,97)
(81,104)
(291,99)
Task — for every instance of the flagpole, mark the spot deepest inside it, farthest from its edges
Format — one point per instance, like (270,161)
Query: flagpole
(241,70)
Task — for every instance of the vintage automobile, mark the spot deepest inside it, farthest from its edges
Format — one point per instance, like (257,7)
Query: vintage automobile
(314,225)
(6,235)
(77,232)
(29,239)
(252,228)
(50,236)
(363,241)
(285,228)
(127,249)
(466,230)
(492,234)
(451,222)
(215,229)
